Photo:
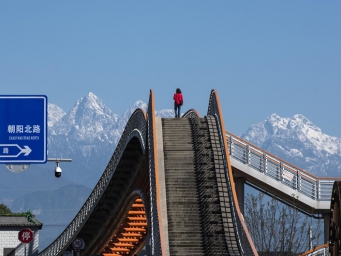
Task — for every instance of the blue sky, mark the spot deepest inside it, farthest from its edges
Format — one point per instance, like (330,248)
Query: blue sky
(263,57)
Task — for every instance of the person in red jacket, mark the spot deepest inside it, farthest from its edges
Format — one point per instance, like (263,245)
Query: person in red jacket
(178,101)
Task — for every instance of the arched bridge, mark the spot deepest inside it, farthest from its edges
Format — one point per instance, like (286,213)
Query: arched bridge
(169,189)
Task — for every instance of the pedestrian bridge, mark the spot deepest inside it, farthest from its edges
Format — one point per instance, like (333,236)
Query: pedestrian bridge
(175,186)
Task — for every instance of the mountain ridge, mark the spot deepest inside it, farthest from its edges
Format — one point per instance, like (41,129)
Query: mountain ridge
(299,141)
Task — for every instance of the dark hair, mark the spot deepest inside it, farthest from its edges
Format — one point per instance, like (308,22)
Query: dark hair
(178,90)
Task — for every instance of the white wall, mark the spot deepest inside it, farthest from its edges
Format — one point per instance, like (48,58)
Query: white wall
(9,239)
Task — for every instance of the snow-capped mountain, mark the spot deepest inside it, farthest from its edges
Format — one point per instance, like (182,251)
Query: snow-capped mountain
(89,119)
(88,134)
(56,113)
(298,141)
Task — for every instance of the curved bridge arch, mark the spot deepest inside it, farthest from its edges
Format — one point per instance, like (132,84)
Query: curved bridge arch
(125,211)
(126,171)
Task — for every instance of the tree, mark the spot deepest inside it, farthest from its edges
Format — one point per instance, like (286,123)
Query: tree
(277,229)
(4,209)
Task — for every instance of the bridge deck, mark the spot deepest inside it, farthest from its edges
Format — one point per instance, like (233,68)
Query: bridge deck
(195,224)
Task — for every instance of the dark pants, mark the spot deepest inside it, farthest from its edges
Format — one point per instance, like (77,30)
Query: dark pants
(177,110)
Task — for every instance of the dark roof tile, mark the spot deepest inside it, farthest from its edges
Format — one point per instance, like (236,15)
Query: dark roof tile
(19,221)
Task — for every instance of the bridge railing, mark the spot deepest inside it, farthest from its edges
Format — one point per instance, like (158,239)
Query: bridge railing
(322,250)
(157,246)
(244,243)
(317,188)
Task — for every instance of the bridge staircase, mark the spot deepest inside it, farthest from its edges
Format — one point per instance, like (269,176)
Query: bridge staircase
(195,223)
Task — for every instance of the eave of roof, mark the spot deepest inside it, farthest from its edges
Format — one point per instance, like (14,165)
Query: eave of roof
(19,221)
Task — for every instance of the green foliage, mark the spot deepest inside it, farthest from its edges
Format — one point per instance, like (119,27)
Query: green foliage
(276,228)
(4,209)
(30,216)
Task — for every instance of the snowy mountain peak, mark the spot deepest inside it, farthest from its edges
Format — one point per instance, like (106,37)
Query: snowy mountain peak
(297,140)
(55,114)
(88,118)
(140,104)
(90,101)
(278,123)
(89,105)
(274,117)
(91,95)
(301,122)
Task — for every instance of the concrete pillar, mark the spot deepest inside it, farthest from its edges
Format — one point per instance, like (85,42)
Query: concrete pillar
(240,190)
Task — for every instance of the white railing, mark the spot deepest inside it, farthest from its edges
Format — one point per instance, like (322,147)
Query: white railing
(322,250)
(317,188)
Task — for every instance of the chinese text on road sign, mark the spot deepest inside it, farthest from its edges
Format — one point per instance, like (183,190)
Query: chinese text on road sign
(23,129)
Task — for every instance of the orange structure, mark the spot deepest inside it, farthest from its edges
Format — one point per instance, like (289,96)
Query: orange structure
(131,234)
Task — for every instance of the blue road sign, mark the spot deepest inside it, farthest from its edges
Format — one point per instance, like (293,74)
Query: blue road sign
(23,129)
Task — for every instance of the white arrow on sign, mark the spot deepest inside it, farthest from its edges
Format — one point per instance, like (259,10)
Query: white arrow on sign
(26,150)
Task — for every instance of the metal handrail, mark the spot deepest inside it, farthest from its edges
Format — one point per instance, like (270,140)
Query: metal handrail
(322,250)
(316,188)
(192,113)
(155,242)
(243,239)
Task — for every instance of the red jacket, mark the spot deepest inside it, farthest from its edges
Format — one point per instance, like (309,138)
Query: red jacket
(178,98)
